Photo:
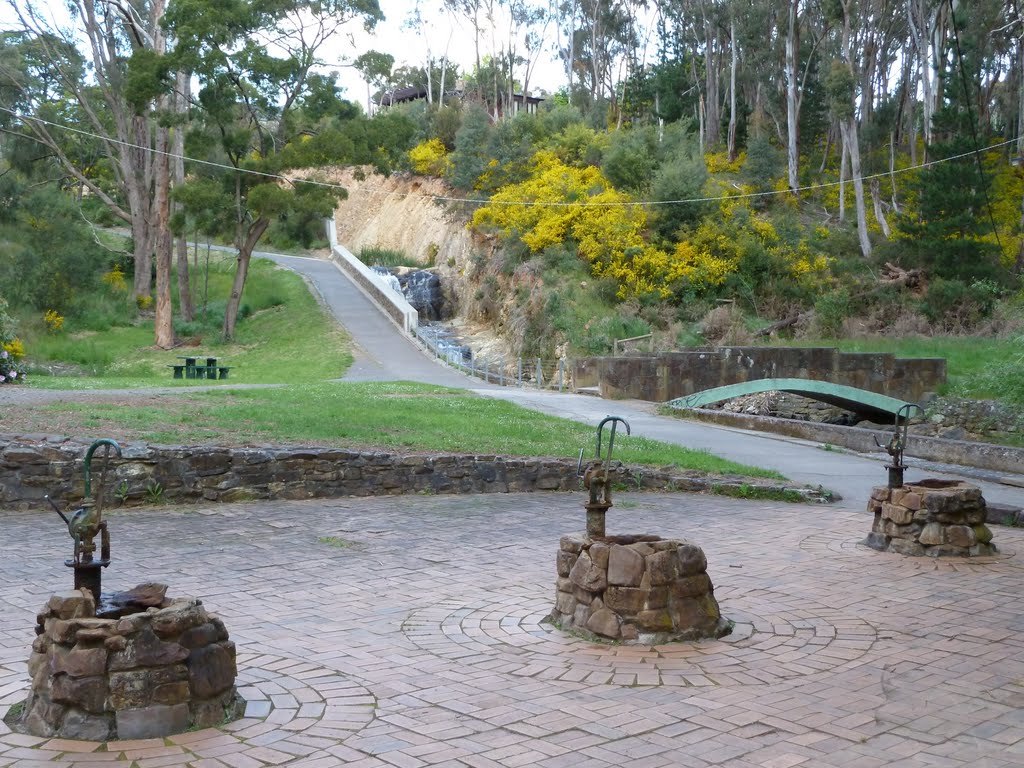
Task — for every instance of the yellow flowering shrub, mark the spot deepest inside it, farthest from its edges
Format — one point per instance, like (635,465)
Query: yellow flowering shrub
(702,268)
(14,348)
(114,279)
(548,208)
(54,321)
(718,162)
(764,229)
(430,158)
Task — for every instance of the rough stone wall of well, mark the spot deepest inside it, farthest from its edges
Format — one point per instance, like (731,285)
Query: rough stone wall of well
(937,522)
(648,590)
(146,675)
(33,467)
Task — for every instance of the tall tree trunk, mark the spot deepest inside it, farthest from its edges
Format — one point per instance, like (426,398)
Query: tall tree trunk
(1018,266)
(1020,97)
(844,163)
(876,202)
(828,149)
(792,96)
(572,48)
(185,306)
(917,17)
(164,324)
(245,248)
(701,122)
(850,138)
(712,107)
(892,172)
(733,65)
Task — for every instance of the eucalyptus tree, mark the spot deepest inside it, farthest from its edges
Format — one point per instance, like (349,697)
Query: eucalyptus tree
(599,37)
(115,89)
(253,63)
(843,92)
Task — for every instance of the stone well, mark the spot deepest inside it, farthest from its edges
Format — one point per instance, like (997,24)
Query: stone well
(640,589)
(937,518)
(138,671)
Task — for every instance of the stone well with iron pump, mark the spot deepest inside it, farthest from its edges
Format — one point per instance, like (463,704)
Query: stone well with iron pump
(632,588)
(930,517)
(132,664)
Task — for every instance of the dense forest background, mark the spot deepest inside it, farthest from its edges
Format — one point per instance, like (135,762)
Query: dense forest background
(810,167)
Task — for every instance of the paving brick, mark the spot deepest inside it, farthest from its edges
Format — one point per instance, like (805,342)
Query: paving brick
(425,642)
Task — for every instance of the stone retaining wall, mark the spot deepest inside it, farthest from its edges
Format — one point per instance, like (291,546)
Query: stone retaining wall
(32,467)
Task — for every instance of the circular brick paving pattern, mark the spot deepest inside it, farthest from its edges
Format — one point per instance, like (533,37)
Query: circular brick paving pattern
(296,695)
(775,638)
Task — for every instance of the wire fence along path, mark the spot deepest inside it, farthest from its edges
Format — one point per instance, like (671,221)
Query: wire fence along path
(534,373)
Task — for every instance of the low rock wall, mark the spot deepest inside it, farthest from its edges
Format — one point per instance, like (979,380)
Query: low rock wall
(33,467)
(997,458)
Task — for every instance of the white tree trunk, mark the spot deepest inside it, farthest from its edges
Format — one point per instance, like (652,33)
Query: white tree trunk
(185,307)
(792,102)
(734,63)
(850,138)
(844,163)
(876,202)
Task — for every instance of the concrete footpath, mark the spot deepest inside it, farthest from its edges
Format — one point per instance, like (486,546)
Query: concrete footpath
(384,353)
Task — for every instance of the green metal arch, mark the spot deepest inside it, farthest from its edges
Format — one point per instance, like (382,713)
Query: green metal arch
(865,403)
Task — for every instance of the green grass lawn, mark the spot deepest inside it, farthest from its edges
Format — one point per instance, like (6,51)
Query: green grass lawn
(398,416)
(285,337)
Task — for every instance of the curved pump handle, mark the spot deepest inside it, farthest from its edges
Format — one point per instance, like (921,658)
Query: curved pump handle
(88,460)
(611,440)
(904,413)
(899,438)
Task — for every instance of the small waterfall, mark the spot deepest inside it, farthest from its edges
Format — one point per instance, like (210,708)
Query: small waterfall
(422,289)
(389,279)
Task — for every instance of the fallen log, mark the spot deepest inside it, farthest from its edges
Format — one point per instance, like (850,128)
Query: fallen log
(903,278)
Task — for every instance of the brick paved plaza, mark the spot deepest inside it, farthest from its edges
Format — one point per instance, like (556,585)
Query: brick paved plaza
(408,631)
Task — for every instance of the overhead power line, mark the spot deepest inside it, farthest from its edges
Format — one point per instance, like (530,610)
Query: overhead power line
(554,204)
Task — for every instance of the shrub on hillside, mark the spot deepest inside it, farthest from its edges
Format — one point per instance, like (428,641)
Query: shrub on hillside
(957,306)
(430,158)
(725,324)
(48,256)
(831,311)
(470,158)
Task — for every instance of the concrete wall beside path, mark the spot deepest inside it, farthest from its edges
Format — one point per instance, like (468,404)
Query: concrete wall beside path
(666,376)
(395,305)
